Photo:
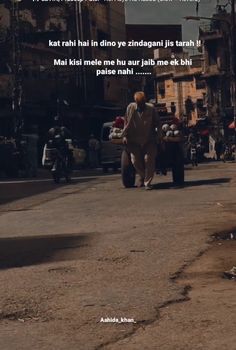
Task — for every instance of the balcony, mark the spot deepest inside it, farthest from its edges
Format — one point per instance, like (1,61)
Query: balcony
(210,31)
(212,71)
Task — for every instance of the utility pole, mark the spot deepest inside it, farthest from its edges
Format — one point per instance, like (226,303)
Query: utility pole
(17,68)
(78,49)
(81,74)
(233,65)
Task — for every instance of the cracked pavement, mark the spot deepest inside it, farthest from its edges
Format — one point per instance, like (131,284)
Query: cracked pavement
(73,254)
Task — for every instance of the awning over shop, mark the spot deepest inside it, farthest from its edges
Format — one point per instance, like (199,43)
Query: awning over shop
(183,77)
(232,125)
(164,76)
(204,132)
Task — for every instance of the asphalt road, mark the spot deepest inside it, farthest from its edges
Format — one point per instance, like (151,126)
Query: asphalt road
(73,255)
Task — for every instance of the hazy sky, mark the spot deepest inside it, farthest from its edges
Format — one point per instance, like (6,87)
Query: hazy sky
(169,13)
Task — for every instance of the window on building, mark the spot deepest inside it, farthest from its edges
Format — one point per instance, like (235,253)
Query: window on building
(200,84)
(199,103)
(103,36)
(161,88)
(197,63)
(103,2)
(212,53)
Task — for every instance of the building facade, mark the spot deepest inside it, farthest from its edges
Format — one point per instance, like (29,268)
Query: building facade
(29,80)
(217,70)
(179,86)
(149,33)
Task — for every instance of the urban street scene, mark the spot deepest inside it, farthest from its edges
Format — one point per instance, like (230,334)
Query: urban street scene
(117,175)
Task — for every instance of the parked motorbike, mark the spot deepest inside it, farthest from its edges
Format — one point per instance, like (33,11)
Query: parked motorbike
(228,153)
(56,158)
(194,155)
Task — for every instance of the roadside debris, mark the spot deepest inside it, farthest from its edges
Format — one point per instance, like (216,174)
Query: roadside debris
(219,204)
(226,236)
(231,274)
(137,251)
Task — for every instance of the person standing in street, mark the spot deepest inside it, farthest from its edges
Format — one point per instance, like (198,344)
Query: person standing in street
(94,147)
(189,108)
(218,148)
(173,108)
(140,136)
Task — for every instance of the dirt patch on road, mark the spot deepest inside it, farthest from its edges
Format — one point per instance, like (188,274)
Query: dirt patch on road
(205,315)
(209,315)
(212,264)
(21,309)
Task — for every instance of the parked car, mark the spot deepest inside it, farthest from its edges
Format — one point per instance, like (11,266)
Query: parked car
(110,153)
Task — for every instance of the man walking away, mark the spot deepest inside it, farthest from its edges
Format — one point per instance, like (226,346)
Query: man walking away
(140,136)
(59,134)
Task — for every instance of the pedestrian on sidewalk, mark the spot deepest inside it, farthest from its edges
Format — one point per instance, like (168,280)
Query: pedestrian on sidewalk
(140,136)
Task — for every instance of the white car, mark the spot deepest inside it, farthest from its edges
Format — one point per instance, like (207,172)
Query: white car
(110,152)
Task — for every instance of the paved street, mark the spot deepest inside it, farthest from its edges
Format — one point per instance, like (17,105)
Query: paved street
(71,255)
